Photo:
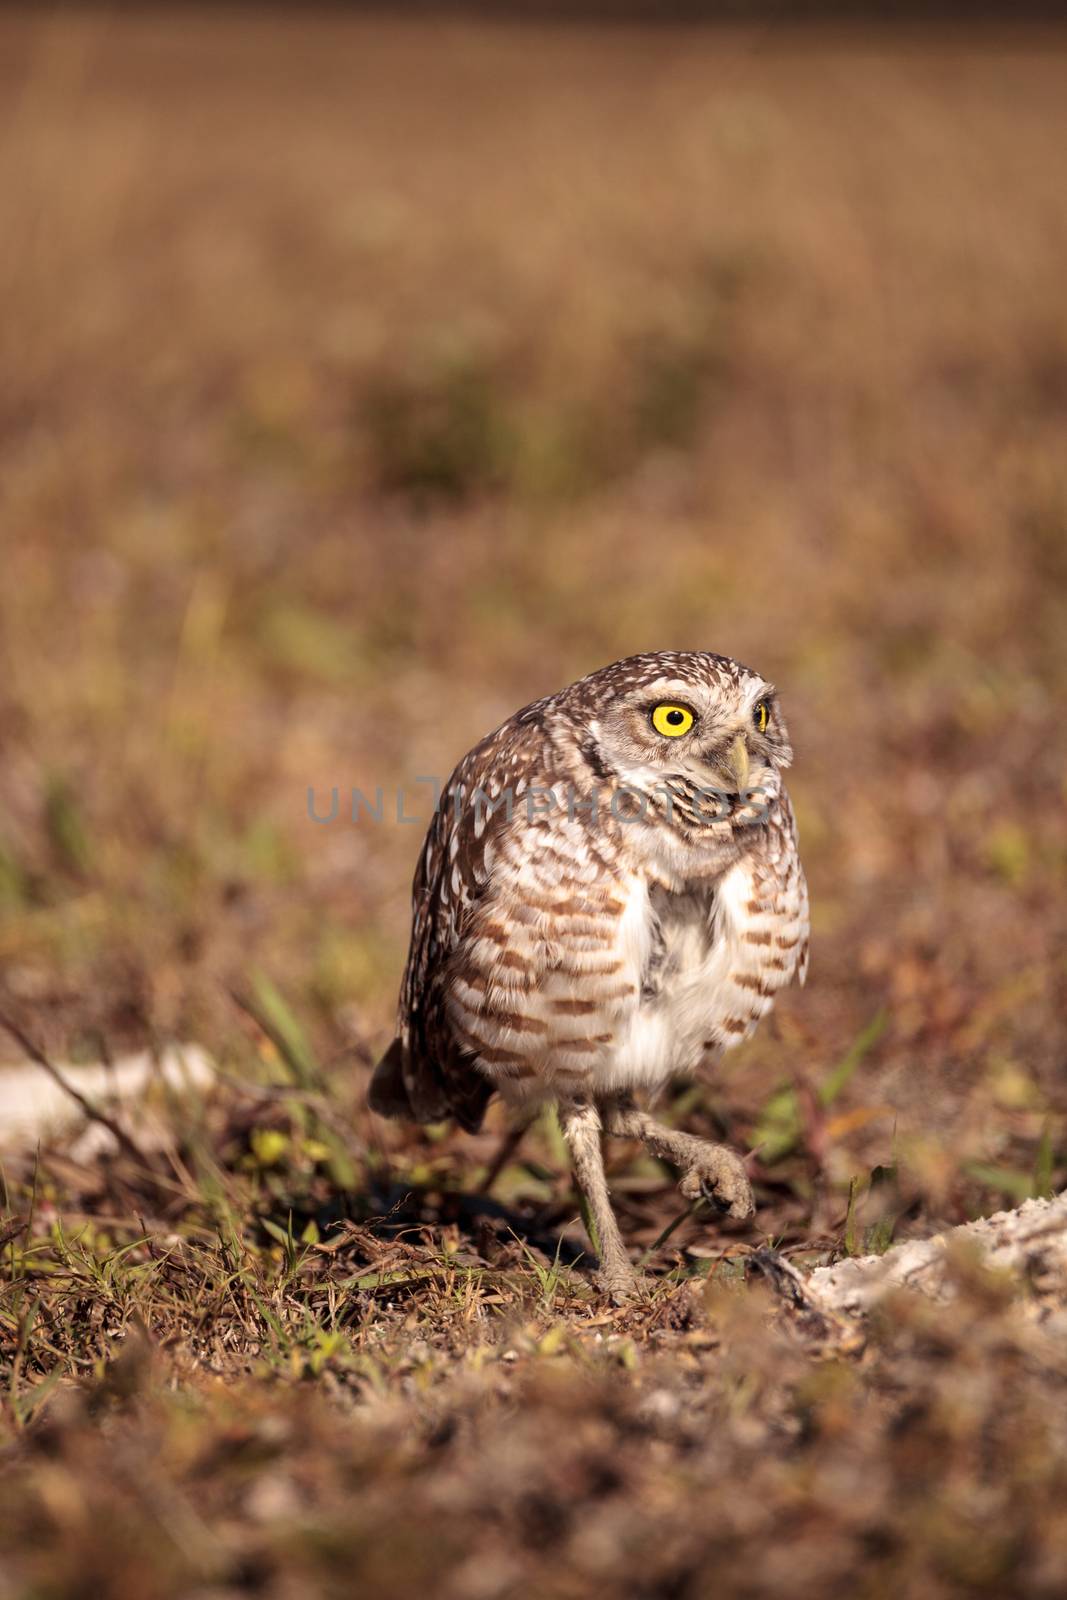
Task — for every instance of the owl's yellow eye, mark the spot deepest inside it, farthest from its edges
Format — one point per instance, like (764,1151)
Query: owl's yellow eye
(672,721)
(761,715)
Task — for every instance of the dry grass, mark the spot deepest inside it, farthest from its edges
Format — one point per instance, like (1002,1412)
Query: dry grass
(361,382)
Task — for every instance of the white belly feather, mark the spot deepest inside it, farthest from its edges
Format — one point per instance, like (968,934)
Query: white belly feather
(721,958)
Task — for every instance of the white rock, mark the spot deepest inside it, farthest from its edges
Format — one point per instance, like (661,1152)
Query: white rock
(1036,1232)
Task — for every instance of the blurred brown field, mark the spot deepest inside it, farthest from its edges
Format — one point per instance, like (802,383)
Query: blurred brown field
(361,381)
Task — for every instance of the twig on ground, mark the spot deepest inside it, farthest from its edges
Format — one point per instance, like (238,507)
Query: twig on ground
(93,1113)
(508,1146)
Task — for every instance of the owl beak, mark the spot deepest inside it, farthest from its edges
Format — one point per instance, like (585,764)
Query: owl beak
(734,766)
(738,763)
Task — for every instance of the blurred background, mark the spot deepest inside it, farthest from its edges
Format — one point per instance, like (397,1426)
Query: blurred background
(365,377)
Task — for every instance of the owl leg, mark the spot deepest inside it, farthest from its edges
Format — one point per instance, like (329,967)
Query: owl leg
(709,1171)
(580,1122)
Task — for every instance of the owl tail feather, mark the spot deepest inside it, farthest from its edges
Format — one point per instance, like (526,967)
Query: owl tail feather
(388,1095)
(410,1089)
(407,1088)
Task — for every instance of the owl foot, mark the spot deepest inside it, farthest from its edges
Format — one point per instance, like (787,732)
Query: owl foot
(617,1284)
(719,1176)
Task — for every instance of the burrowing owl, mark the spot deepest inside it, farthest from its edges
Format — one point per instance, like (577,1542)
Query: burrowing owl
(609,895)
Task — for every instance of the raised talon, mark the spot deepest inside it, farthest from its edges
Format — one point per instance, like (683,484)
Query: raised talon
(711,1195)
(723,1181)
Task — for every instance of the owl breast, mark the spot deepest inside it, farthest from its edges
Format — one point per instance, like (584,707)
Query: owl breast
(635,987)
(720,957)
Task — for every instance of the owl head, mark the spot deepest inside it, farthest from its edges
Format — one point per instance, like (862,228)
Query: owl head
(703,726)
